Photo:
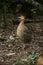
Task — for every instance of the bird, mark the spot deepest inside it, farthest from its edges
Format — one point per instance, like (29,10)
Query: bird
(23,33)
(40,60)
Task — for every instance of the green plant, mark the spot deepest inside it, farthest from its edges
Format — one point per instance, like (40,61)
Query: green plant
(32,57)
(30,60)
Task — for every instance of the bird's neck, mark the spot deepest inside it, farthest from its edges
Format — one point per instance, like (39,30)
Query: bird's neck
(22,22)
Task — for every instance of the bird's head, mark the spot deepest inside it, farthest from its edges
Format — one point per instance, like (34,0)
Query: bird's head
(21,18)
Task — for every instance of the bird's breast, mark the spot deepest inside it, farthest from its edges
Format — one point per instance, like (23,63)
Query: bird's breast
(21,30)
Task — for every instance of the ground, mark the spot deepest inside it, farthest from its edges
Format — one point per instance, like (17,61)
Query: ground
(11,48)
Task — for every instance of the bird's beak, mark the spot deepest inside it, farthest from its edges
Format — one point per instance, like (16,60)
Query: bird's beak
(19,17)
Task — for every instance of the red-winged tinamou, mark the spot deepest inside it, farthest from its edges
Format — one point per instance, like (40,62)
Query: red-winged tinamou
(23,32)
